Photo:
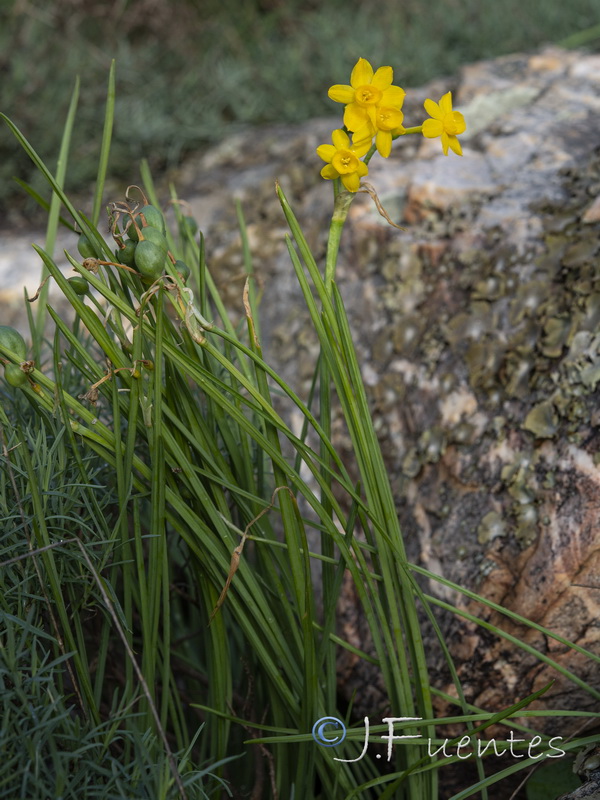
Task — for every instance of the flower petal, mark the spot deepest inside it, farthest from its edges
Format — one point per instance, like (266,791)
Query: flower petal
(362,134)
(355,117)
(362,169)
(351,181)
(341,93)
(361,74)
(383,140)
(455,145)
(445,142)
(393,96)
(340,139)
(326,151)
(459,122)
(446,103)
(362,144)
(383,78)
(432,128)
(329,173)
(433,109)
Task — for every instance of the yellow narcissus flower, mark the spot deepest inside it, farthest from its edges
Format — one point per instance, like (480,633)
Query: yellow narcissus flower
(343,160)
(388,125)
(445,123)
(372,103)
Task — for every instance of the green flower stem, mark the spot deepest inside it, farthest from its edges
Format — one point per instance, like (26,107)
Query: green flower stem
(408,643)
(417,129)
(342,202)
(341,207)
(370,154)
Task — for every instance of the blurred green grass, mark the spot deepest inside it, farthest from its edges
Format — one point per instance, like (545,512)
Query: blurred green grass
(190,71)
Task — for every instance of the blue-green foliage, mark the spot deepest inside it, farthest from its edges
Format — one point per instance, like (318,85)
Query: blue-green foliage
(51,744)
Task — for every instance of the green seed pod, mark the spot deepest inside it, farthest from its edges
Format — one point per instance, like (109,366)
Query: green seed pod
(131,231)
(149,259)
(156,237)
(188,226)
(79,283)
(85,247)
(127,254)
(14,375)
(182,268)
(153,217)
(13,341)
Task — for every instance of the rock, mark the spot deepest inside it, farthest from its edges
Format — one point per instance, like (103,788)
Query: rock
(587,767)
(477,328)
(20,269)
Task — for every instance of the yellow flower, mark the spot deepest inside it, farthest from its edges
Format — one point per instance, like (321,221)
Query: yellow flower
(343,160)
(388,125)
(372,103)
(445,123)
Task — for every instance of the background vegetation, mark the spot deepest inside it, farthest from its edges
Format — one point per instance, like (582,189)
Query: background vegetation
(189,71)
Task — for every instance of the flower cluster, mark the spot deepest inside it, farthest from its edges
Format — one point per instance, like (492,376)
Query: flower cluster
(373,115)
(372,105)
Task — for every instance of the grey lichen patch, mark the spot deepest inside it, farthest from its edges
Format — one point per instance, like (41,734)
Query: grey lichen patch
(408,334)
(412,463)
(492,526)
(526,530)
(556,335)
(485,109)
(542,420)
(582,363)
(432,444)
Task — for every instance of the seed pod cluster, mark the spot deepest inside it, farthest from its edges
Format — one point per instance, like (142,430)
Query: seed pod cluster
(146,248)
(141,237)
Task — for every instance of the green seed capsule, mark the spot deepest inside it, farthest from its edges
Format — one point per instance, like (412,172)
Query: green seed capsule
(127,254)
(131,231)
(149,259)
(79,283)
(85,247)
(14,375)
(182,268)
(156,237)
(189,226)
(153,217)
(13,341)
